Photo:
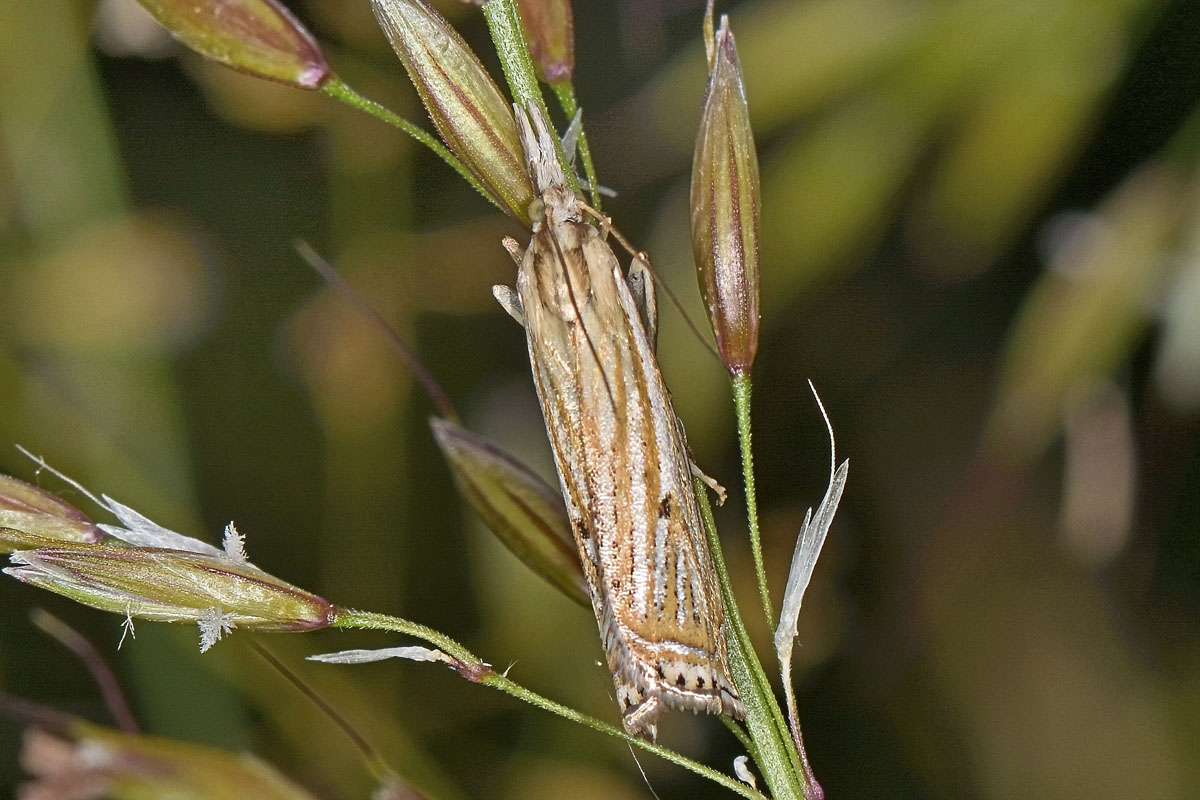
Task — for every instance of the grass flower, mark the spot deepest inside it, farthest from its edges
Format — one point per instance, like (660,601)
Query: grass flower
(469,111)
(30,510)
(725,208)
(260,37)
(519,507)
(215,592)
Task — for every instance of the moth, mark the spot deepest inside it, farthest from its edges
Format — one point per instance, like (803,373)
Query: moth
(621,456)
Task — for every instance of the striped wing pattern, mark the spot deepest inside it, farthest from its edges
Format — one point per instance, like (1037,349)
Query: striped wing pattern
(624,470)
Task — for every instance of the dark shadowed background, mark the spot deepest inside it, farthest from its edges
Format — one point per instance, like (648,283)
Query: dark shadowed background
(981,241)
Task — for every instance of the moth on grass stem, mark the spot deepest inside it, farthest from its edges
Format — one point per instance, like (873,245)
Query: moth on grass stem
(622,462)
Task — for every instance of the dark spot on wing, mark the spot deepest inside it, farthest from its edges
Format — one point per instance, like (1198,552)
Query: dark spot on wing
(681,681)
(664,508)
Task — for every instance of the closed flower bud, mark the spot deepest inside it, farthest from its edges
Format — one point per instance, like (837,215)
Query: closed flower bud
(519,508)
(260,37)
(725,209)
(31,510)
(551,34)
(470,113)
(164,585)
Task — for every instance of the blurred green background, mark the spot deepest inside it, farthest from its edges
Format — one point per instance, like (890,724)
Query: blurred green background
(981,234)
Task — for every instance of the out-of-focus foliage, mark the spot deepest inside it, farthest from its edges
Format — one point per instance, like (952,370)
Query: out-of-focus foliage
(98,762)
(979,239)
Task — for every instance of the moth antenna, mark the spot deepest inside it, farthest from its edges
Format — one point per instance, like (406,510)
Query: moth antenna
(607,227)
(687,320)
(587,336)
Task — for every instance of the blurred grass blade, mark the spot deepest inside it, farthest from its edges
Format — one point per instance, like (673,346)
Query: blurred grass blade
(1087,312)
(550,33)
(121,765)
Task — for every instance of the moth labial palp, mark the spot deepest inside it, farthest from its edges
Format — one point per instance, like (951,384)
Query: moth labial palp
(622,461)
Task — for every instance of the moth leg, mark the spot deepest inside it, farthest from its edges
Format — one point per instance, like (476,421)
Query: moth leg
(704,478)
(642,719)
(709,481)
(510,301)
(606,227)
(641,286)
(514,249)
(604,220)
(640,277)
